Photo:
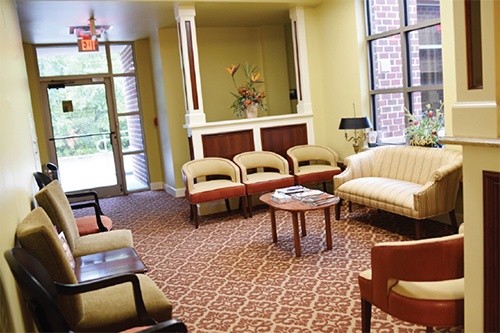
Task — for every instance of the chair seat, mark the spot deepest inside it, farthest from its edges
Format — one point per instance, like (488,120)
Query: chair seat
(106,300)
(215,190)
(425,290)
(88,225)
(316,173)
(267,181)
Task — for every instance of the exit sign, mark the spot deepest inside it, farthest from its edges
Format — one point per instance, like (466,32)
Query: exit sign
(88,45)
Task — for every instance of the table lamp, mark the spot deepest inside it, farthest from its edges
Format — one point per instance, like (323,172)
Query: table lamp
(358,123)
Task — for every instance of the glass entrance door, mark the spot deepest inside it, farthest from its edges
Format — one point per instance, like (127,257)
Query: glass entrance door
(84,140)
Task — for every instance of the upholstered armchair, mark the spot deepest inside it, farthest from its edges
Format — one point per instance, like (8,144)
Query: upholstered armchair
(420,281)
(106,305)
(263,171)
(313,164)
(55,203)
(88,224)
(210,179)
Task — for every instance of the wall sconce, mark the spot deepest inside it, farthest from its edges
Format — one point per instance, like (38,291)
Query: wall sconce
(355,124)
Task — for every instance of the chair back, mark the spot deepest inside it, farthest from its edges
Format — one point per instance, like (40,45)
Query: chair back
(208,166)
(37,289)
(261,159)
(55,203)
(304,153)
(37,235)
(41,179)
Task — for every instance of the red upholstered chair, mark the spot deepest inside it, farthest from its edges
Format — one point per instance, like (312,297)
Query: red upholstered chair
(421,282)
(313,164)
(209,179)
(263,171)
(86,225)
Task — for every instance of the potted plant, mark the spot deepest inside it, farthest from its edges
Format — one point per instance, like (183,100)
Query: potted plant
(249,97)
(424,130)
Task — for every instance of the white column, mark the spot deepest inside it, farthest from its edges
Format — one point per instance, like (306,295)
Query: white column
(300,57)
(188,48)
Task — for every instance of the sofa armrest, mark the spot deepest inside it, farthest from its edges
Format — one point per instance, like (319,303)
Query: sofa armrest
(438,196)
(357,166)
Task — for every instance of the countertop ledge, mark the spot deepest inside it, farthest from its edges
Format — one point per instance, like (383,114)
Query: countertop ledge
(483,142)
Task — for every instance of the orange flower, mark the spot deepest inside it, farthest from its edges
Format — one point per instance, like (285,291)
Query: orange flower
(254,77)
(231,70)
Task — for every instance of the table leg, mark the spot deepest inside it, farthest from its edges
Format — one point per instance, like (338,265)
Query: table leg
(273,224)
(303,223)
(328,228)
(296,238)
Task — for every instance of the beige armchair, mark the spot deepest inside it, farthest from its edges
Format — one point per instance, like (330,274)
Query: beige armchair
(421,282)
(263,171)
(55,203)
(313,164)
(107,305)
(209,179)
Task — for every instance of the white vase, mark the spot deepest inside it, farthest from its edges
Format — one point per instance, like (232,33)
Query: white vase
(251,111)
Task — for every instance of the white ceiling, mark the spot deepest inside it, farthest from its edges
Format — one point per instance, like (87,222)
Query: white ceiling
(47,22)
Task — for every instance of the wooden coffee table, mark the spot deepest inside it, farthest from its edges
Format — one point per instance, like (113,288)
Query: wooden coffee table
(104,264)
(296,207)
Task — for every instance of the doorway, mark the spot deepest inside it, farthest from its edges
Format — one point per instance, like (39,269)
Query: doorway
(84,140)
(93,117)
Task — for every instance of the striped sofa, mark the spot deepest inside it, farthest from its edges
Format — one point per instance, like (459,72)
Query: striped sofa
(416,182)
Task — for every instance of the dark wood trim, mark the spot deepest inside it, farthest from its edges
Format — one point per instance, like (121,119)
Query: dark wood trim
(491,243)
(227,144)
(474,44)
(192,71)
(297,57)
(278,139)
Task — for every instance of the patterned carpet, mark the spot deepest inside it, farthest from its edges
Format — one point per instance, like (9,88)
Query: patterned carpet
(228,276)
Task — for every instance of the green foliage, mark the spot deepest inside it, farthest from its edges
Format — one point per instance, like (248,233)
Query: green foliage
(424,130)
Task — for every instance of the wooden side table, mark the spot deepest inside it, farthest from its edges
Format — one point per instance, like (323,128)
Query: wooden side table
(104,264)
(296,207)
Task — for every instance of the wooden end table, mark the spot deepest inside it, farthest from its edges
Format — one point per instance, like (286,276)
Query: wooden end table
(104,264)
(296,207)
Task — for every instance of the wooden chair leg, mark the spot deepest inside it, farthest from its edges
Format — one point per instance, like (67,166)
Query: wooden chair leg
(366,315)
(194,212)
(337,210)
(350,206)
(243,203)
(429,329)
(453,219)
(249,205)
(419,226)
(190,211)
(324,186)
(228,205)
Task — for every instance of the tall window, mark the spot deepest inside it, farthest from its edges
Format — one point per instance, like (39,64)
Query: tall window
(405,61)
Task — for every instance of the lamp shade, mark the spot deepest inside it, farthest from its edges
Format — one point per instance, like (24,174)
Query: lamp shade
(354,123)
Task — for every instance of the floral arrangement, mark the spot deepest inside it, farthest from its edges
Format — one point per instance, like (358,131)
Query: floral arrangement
(424,130)
(249,93)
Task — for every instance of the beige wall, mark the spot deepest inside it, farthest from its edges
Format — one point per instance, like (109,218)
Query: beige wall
(338,69)
(218,48)
(17,158)
(474,114)
(145,79)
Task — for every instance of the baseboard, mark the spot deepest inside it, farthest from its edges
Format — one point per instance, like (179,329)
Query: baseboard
(176,192)
(156,186)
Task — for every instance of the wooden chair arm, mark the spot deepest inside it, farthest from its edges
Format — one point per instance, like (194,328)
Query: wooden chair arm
(73,289)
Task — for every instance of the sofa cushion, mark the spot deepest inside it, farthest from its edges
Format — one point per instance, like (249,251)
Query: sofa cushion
(380,190)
